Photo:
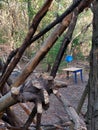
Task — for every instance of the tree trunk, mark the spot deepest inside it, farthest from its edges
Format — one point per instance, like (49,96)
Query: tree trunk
(7,100)
(93,87)
(41,13)
(51,39)
(65,43)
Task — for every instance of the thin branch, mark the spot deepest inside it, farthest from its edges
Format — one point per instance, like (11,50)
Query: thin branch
(41,13)
(82,99)
(31,32)
(11,55)
(30,67)
(81,7)
(78,34)
(64,44)
(58,20)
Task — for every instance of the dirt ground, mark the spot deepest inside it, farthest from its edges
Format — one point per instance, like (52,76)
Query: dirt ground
(72,93)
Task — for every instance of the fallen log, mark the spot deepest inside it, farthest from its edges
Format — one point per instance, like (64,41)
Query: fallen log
(36,60)
(36,90)
(78,122)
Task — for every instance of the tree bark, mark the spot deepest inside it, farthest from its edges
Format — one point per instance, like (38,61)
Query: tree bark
(43,51)
(27,92)
(82,99)
(93,76)
(34,62)
(41,13)
(52,38)
(68,11)
(64,44)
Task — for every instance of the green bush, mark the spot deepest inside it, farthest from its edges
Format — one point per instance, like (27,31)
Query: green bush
(2,39)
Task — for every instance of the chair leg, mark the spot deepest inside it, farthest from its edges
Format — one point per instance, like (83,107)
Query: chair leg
(75,77)
(81,75)
(67,74)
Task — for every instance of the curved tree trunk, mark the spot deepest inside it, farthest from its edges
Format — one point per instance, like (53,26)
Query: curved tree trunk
(93,87)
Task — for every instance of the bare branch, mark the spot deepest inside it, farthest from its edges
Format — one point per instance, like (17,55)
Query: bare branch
(41,13)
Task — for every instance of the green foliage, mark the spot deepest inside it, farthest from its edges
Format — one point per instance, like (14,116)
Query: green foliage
(19,36)
(75,42)
(80,56)
(50,57)
(26,10)
(2,39)
(1,6)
